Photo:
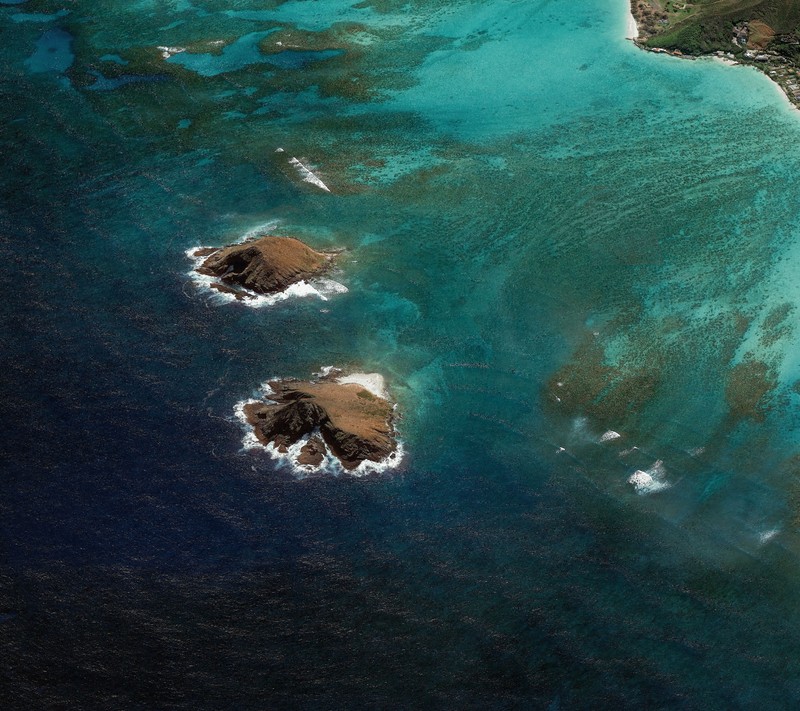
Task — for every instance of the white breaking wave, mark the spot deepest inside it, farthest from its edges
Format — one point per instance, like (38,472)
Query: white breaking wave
(328,287)
(366,467)
(651,481)
(259,230)
(632,28)
(308,175)
(167,52)
(265,389)
(767,536)
(609,436)
(326,370)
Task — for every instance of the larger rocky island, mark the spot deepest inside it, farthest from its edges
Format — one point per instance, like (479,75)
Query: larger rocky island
(761,33)
(339,416)
(266,265)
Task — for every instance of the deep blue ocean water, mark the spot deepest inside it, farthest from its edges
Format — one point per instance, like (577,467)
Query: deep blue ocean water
(551,237)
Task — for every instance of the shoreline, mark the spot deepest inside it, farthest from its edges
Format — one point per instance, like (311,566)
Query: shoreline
(319,285)
(632,33)
(372,382)
(632,29)
(288,456)
(321,288)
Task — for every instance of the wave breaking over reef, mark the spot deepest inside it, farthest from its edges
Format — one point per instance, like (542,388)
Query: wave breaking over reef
(651,481)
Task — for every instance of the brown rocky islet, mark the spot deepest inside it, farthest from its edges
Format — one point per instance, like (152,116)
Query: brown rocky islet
(266,265)
(354,424)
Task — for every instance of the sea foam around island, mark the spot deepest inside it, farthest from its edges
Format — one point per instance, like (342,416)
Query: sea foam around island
(321,287)
(330,465)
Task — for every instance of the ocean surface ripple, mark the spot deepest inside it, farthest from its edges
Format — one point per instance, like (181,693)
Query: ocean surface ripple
(575,264)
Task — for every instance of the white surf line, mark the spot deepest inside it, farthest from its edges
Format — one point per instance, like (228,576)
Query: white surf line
(308,175)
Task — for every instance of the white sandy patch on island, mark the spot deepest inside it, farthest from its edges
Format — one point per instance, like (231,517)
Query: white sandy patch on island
(374,382)
(725,60)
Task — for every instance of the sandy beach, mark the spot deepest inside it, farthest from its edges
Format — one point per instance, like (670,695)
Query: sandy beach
(632,29)
(374,382)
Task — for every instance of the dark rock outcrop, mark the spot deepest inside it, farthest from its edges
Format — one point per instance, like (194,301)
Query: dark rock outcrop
(266,265)
(313,452)
(355,424)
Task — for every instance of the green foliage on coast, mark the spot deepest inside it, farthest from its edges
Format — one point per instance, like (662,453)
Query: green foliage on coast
(704,26)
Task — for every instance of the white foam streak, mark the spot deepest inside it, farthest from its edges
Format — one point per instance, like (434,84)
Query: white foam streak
(167,52)
(651,481)
(767,536)
(308,175)
(259,230)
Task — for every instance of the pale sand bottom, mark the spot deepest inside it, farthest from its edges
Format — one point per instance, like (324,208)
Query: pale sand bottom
(775,85)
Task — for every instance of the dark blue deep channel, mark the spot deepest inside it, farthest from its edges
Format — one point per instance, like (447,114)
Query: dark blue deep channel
(575,265)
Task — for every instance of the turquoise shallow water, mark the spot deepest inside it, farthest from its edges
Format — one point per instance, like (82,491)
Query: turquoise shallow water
(552,239)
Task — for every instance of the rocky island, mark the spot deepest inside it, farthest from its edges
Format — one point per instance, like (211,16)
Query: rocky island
(336,415)
(761,33)
(266,265)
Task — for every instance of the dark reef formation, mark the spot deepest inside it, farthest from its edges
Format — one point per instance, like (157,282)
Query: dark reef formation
(352,422)
(265,265)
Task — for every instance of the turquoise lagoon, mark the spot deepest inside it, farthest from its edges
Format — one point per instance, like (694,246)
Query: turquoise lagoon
(577,266)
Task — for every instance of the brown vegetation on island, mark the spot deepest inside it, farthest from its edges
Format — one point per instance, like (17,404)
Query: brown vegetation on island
(355,424)
(263,266)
